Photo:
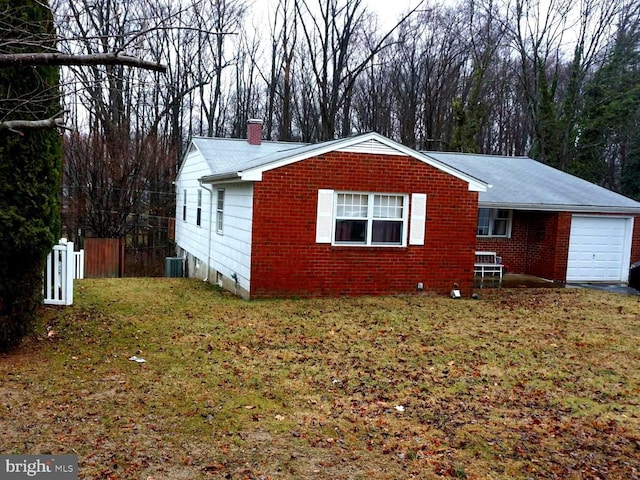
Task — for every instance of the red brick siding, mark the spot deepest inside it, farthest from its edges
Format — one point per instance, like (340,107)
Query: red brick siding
(635,246)
(286,260)
(561,257)
(539,244)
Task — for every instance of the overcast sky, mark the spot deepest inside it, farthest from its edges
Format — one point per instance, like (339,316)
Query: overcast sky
(388,11)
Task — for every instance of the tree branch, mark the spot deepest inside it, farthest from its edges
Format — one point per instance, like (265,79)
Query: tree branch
(26,59)
(56,121)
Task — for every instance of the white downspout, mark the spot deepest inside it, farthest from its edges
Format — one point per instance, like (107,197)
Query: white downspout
(206,279)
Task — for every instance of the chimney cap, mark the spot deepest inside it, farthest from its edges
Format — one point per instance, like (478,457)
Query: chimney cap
(255,120)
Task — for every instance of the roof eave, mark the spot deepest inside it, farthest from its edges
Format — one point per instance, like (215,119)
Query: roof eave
(545,207)
(231,177)
(475,184)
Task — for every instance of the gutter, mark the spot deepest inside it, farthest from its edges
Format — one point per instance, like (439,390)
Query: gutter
(221,178)
(561,208)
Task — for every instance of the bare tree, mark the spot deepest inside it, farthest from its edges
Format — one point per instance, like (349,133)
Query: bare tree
(61,59)
(277,74)
(407,74)
(214,22)
(113,58)
(374,103)
(338,49)
(483,40)
(443,57)
(245,99)
(550,85)
(108,181)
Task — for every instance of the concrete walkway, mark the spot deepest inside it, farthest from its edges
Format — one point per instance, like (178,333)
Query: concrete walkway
(607,287)
(512,280)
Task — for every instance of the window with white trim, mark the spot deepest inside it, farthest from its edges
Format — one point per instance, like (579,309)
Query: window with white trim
(370,219)
(376,219)
(220,211)
(494,222)
(199,209)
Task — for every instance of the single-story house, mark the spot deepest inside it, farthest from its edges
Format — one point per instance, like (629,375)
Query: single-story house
(365,215)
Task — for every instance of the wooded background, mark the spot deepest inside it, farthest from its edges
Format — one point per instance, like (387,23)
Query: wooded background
(558,81)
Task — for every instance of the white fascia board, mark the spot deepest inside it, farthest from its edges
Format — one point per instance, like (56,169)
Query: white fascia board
(255,174)
(477,187)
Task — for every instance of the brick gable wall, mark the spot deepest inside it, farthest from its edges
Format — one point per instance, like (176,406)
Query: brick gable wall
(286,260)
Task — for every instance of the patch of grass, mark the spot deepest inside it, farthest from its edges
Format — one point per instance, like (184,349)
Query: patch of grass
(525,383)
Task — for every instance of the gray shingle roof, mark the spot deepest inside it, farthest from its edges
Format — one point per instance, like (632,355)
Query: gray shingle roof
(523,183)
(517,182)
(234,159)
(229,155)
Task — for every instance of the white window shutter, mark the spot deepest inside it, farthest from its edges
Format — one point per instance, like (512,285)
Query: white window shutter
(324,220)
(418,218)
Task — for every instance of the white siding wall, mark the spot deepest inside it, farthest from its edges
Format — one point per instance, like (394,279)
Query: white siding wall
(190,237)
(231,250)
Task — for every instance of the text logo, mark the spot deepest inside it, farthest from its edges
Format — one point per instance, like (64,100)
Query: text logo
(49,467)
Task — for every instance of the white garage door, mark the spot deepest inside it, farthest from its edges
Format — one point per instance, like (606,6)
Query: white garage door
(599,249)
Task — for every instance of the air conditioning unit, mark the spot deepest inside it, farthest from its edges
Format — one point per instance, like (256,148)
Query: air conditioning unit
(173,267)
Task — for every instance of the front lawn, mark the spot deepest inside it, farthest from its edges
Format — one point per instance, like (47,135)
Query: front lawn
(524,383)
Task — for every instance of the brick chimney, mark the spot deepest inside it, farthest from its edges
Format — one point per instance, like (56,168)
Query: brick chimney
(254,131)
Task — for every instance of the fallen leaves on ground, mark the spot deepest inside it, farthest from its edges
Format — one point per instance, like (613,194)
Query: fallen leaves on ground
(523,384)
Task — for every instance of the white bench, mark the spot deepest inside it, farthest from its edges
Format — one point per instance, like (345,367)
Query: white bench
(488,263)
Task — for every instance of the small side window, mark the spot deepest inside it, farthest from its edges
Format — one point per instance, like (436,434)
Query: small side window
(184,205)
(220,211)
(199,210)
(494,222)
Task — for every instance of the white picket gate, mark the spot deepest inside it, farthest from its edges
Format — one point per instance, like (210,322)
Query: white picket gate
(63,265)
(78,272)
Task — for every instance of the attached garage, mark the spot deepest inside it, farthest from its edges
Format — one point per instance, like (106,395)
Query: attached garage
(551,224)
(599,248)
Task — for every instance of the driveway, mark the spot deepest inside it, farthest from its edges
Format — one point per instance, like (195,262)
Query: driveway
(607,287)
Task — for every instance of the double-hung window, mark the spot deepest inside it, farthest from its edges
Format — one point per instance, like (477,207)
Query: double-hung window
(370,219)
(494,222)
(199,209)
(220,211)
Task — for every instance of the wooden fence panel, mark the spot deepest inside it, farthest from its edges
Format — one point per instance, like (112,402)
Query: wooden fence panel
(104,257)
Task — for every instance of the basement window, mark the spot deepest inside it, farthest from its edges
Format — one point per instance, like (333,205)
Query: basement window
(494,222)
